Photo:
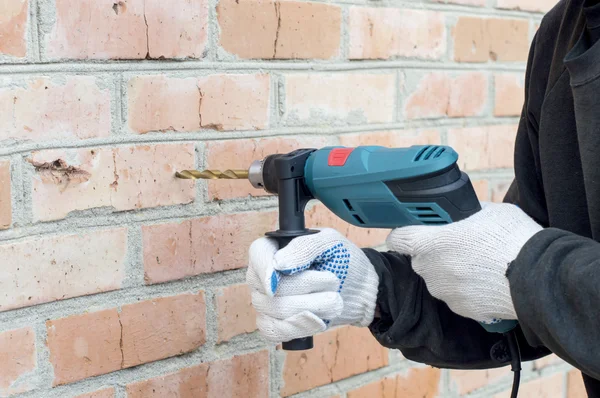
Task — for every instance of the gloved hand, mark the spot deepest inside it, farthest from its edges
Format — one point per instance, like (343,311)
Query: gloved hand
(316,282)
(464,264)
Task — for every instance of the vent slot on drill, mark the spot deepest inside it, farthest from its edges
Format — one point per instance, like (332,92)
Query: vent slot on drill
(429,152)
(348,205)
(426,215)
(358,219)
(418,157)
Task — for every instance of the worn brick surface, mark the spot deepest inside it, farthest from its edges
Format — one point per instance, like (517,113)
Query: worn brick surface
(47,110)
(17,359)
(484,148)
(282,30)
(204,245)
(467,381)
(54,268)
(422,383)
(78,351)
(13,27)
(440,94)
(491,39)
(5,195)
(239,154)
(381,33)
(124,178)
(235,312)
(241,376)
(338,354)
(510,94)
(162,328)
(312,98)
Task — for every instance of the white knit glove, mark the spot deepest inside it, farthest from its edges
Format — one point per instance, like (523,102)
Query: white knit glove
(464,264)
(316,282)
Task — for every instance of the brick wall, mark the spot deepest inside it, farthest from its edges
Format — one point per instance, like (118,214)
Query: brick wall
(118,280)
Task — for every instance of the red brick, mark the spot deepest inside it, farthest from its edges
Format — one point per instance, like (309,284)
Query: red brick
(13,27)
(439,94)
(350,97)
(124,178)
(235,312)
(222,102)
(204,245)
(484,148)
(544,387)
(162,328)
(338,354)
(480,40)
(575,386)
(422,383)
(527,5)
(467,381)
(510,94)
(239,154)
(5,195)
(44,110)
(381,33)
(132,29)
(499,190)
(241,376)
(283,30)
(17,359)
(235,102)
(392,139)
(78,351)
(104,393)
(53,268)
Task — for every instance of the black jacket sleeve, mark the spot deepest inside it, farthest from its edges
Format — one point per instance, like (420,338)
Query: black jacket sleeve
(423,328)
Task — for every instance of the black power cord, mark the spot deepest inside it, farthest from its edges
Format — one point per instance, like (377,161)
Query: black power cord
(515,361)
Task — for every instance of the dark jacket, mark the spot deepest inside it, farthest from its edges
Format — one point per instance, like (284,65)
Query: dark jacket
(555,281)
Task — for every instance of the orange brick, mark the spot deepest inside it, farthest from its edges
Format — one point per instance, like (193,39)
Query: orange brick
(499,190)
(510,95)
(222,102)
(338,354)
(484,148)
(79,351)
(235,312)
(575,386)
(351,97)
(481,189)
(467,381)
(423,383)
(13,27)
(104,393)
(239,154)
(544,387)
(162,328)
(392,139)
(283,30)
(5,195)
(238,377)
(480,40)
(204,245)
(44,110)
(381,33)
(440,94)
(124,178)
(17,358)
(527,5)
(133,29)
(53,268)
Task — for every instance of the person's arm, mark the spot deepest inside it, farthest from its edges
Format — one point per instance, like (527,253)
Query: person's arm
(423,328)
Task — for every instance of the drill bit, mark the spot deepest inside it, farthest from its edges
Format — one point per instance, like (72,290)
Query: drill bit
(213,174)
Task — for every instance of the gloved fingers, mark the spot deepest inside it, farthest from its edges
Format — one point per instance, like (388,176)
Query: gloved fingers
(408,240)
(303,251)
(262,262)
(326,305)
(307,282)
(298,326)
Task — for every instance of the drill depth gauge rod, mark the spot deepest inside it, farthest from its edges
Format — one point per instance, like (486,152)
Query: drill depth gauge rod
(369,187)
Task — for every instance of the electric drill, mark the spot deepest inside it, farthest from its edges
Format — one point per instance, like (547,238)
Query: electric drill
(367,186)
